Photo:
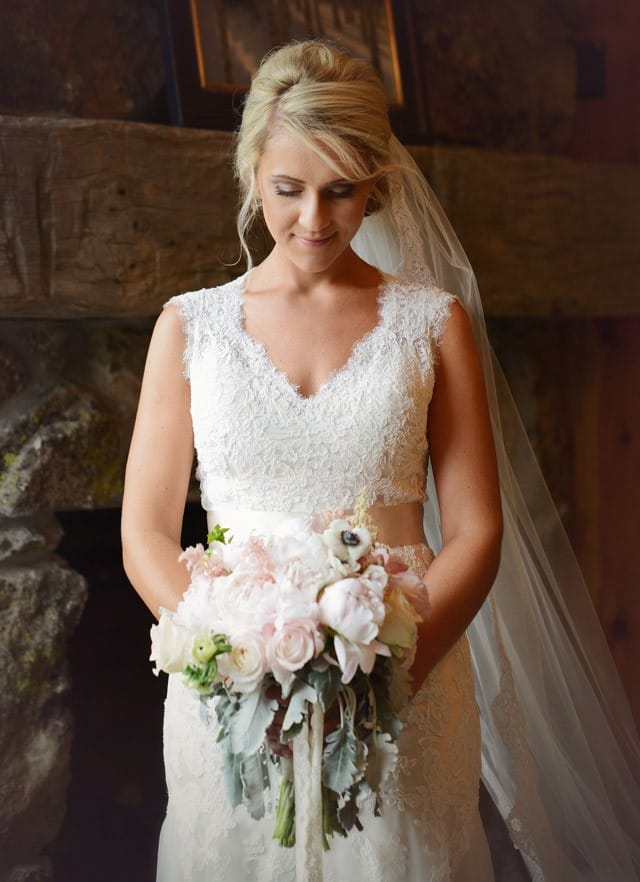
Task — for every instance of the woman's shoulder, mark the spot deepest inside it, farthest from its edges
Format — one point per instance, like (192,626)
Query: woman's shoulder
(422,306)
(203,300)
(200,317)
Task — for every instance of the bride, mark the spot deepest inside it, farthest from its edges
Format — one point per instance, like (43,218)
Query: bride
(336,365)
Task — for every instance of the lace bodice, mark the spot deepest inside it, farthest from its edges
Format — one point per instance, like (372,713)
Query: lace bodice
(255,434)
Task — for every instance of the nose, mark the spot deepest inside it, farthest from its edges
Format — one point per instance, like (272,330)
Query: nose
(314,214)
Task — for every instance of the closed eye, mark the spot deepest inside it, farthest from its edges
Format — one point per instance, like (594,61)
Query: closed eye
(341,192)
(283,191)
(333,193)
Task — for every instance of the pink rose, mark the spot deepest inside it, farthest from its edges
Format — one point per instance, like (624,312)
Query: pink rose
(290,647)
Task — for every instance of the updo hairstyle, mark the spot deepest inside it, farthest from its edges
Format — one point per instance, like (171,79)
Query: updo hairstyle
(334,103)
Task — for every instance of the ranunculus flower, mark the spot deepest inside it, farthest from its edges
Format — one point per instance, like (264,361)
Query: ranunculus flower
(290,647)
(347,543)
(170,646)
(246,664)
(203,649)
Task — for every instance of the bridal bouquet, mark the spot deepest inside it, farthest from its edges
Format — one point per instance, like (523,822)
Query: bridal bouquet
(301,622)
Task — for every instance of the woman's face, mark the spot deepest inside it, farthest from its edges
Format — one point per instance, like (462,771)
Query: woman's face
(311,212)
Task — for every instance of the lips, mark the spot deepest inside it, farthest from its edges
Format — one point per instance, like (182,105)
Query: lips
(315,242)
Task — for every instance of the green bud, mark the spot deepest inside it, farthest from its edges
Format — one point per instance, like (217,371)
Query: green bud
(204,649)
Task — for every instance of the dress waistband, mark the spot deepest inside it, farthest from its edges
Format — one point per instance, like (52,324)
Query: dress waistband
(400,524)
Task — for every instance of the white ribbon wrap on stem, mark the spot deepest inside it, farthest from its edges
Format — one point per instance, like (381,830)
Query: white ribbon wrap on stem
(307,782)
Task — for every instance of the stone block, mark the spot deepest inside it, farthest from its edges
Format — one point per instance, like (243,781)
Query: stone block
(38,871)
(23,538)
(61,451)
(40,606)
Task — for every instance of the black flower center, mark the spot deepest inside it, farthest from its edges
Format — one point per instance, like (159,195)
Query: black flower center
(348,537)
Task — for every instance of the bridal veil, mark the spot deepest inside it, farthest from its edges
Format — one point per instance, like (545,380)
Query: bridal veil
(560,752)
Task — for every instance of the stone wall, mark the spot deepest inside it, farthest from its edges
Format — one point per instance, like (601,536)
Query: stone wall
(67,400)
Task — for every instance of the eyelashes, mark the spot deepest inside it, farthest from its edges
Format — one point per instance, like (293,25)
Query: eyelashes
(341,193)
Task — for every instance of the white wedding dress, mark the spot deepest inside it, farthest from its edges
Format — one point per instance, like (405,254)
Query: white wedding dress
(263,447)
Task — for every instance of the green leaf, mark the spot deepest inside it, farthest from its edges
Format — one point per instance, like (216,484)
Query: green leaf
(253,715)
(300,695)
(339,758)
(218,534)
(284,828)
(330,818)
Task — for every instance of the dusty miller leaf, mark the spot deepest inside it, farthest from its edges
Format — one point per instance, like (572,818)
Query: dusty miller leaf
(226,707)
(253,714)
(339,758)
(327,684)
(300,696)
(381,759)
(232,775)
(253,784)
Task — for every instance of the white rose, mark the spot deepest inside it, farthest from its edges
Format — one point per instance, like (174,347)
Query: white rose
(246,664)
(170,646)
(290,648)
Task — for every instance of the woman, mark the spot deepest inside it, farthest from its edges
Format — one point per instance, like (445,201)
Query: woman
(315,376)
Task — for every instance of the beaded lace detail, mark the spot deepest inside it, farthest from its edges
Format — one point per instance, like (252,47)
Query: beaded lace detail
(255,434)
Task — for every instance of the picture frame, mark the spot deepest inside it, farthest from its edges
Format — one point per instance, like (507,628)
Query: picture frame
(211,48)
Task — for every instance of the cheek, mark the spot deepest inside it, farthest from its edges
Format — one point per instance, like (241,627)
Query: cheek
(276,215)
(355,214)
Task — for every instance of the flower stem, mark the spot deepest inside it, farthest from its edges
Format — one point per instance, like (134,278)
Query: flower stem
(284,830)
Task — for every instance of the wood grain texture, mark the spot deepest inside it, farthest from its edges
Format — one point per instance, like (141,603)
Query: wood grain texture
(111,218)
(106,218)
(546,236)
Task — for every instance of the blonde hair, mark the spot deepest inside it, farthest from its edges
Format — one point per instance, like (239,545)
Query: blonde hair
(333,102)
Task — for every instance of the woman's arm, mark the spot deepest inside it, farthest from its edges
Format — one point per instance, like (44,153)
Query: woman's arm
(466,476)
(158,471)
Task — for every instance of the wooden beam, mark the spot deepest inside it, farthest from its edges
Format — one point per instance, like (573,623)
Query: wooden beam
(105,218)
(109,218)
(547,236)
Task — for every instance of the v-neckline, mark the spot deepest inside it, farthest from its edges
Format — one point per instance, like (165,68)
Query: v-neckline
(281,376)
